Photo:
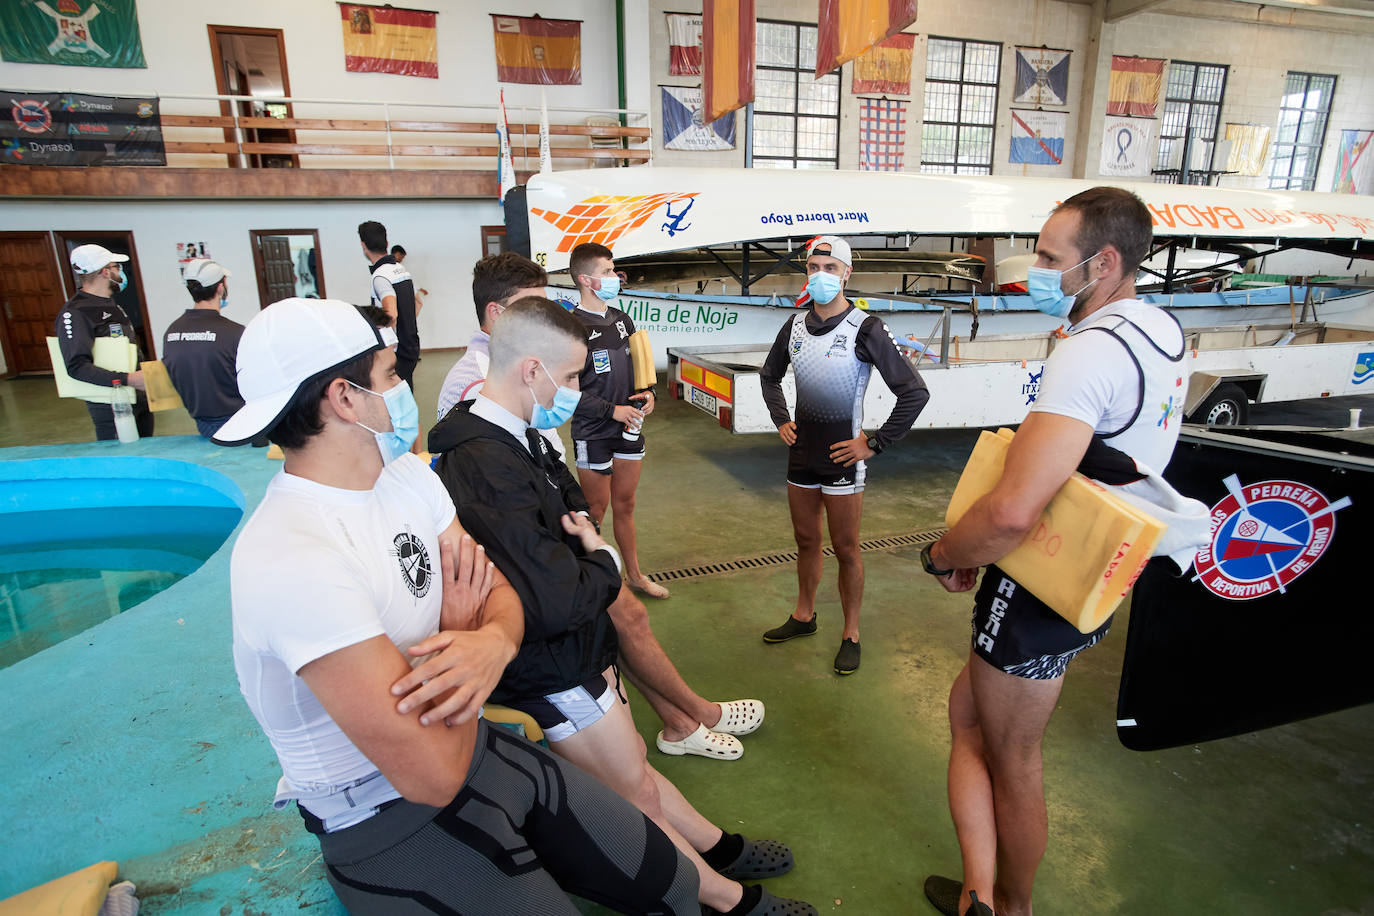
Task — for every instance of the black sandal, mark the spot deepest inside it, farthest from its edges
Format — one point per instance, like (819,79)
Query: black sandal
(759,859)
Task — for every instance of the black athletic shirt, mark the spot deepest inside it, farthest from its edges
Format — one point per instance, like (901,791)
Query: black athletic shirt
(200,350)
(84,318)
(818,425)
(608,375)
(388,275)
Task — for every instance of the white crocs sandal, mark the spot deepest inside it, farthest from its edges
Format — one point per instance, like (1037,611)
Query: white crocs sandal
(740,717)
(704,743)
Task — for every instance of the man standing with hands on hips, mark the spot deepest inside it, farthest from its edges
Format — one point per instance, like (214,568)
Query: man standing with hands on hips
(833,348)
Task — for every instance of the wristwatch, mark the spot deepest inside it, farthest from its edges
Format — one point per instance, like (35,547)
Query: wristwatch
(929,565)
(874,444)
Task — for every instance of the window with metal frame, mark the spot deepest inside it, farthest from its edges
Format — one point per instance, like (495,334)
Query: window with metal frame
(1192,101)
(960,121)
(796,116)
(1303,113)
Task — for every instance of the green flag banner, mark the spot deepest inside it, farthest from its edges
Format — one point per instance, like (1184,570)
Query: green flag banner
(75,33)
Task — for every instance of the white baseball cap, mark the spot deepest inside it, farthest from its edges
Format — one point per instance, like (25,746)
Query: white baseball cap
(288,344)
(87,259)
(205,272)
(839,248)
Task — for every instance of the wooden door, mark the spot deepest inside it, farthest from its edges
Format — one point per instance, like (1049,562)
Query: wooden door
(278,270)
(31,295)
(230,80)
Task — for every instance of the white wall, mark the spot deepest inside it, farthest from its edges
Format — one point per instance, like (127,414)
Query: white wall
(441,239)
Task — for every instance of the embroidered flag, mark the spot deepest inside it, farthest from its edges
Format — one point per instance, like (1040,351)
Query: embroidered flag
(727,56)
(531,49)
(682,122)
(684,44)
(383,39)
(885,68)
(74,33)
(1355,163)
(848,28)
(1037,137)
(1249,148)
(1134,87)
(1042,77)
(882,135)
(1127,147)
(505,168)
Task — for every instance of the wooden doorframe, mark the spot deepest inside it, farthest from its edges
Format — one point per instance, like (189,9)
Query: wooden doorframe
(62,236)
(6,347)
(260,268)
(226,108)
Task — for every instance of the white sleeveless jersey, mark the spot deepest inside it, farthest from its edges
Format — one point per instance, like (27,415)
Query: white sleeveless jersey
(830,377)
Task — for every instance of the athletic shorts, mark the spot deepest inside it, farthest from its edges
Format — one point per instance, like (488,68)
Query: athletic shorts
(597,454)
(840,482)
(564,714)
(1017,633)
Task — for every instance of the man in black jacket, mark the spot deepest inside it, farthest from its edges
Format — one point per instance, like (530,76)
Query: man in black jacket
(530,514)
(93,313)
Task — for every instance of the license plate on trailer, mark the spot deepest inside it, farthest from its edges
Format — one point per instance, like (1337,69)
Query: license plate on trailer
(706,402)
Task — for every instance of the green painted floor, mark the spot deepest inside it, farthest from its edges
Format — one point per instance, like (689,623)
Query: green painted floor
(850,772)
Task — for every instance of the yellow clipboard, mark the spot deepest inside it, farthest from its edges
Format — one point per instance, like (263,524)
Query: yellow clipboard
(1085,552)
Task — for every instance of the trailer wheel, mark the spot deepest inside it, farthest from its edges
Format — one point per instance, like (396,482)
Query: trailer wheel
(1226,406)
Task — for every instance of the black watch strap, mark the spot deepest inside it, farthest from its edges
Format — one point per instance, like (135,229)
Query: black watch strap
(874,444)
(928,564)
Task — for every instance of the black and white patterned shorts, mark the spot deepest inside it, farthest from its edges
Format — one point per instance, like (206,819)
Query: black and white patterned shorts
(1017,633)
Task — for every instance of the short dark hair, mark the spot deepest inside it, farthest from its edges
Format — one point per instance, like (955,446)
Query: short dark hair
(397,249)
(301,419)
(582,257)
(373,235)
(201,293)
(1112,216)
(527,322)
(498,276)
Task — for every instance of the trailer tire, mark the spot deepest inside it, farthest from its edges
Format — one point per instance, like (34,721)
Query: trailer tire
(1226,406)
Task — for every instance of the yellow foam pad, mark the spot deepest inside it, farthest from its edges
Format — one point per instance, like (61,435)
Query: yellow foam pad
(1085,552)
(642,357)
(157,385)
(79,894)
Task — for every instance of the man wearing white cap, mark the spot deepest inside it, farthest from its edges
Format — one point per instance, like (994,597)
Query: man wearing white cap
(200,347)
(334,598)
(833,348)
(93,313)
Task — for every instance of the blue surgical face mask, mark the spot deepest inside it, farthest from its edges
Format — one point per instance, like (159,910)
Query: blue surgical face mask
(123,279)
(564,403)
(405,421)
(610,288)
(823,287)
(1047,292)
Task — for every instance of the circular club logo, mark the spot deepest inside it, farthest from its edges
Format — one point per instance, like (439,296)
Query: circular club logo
(414,559)
(1265,535)
(31,116)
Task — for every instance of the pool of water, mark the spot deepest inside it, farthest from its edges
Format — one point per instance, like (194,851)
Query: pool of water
(87,539)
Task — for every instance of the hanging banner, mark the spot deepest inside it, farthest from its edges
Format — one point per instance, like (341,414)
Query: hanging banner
(684,44)
(727,56)
(74,33)
(49,128)
(885,68)
(882,135)
(1270,626)
(1355,164)
(1037,137)
(847,28)
(1128,147)
(1249,149)
(1042,77)
(1135,85)
(683,126)
(383,39)
(532,49)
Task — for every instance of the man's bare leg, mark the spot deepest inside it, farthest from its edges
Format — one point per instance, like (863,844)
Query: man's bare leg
(970,795)
(612,751)
(624,482)
(597,488)
(643,658)
(804,504)
(1012,714)
(842,514)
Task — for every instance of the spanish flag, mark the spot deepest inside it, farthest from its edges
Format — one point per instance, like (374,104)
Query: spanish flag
(727,54)
(885,68)
(848,28)
(383,39)
(532,49)
(1134,87)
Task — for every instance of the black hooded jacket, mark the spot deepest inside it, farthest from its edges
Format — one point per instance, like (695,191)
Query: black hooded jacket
(511,502)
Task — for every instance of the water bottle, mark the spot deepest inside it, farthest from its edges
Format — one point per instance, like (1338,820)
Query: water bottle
(632,428)
(125,427)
